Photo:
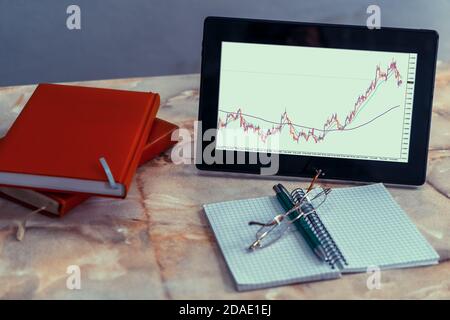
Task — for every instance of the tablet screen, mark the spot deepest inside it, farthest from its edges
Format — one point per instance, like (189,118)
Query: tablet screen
(320,102)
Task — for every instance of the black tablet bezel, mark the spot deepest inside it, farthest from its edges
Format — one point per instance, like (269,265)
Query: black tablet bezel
(422,42)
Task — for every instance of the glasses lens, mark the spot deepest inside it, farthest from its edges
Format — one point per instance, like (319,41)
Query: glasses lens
(317,197)
(271,233)
(312,200)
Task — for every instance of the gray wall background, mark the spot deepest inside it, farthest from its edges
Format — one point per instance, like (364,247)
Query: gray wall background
(127,38)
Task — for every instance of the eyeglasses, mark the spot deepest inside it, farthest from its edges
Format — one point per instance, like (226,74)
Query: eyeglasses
(306,203)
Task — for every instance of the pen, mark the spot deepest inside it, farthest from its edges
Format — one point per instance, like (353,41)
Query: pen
(301,224)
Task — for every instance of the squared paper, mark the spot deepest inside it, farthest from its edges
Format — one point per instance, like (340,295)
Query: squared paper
(371,229)
(365,222)
(289,260)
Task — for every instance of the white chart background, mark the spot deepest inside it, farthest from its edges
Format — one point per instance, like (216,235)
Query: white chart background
(311,84)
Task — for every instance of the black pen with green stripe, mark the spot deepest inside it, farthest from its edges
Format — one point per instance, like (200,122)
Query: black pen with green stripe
(301,224)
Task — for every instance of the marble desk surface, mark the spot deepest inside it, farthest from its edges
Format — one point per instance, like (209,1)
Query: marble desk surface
(136,248)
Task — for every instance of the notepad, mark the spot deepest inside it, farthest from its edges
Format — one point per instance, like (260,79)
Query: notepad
(59,204)
(63,131)
(367,225)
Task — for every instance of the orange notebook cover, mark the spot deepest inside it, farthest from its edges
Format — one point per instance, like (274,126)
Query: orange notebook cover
(59,204)
(63,131)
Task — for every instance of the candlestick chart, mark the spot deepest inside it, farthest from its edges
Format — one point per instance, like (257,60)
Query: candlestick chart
(321,110)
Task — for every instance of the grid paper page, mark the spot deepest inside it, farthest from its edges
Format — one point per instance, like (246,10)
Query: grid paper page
(289,260)
(371,229)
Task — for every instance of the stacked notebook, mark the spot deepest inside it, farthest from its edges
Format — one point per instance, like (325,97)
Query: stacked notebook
(51,156)
(363,226)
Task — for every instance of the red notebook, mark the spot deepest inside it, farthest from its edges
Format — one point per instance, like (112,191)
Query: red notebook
(63,131)
(59,204)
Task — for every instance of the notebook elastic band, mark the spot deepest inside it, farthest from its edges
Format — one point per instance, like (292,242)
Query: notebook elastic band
(109,175)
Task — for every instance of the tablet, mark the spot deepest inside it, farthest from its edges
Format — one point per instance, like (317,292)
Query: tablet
(351,101)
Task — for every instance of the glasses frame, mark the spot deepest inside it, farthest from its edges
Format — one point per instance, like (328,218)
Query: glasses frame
(278,219)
